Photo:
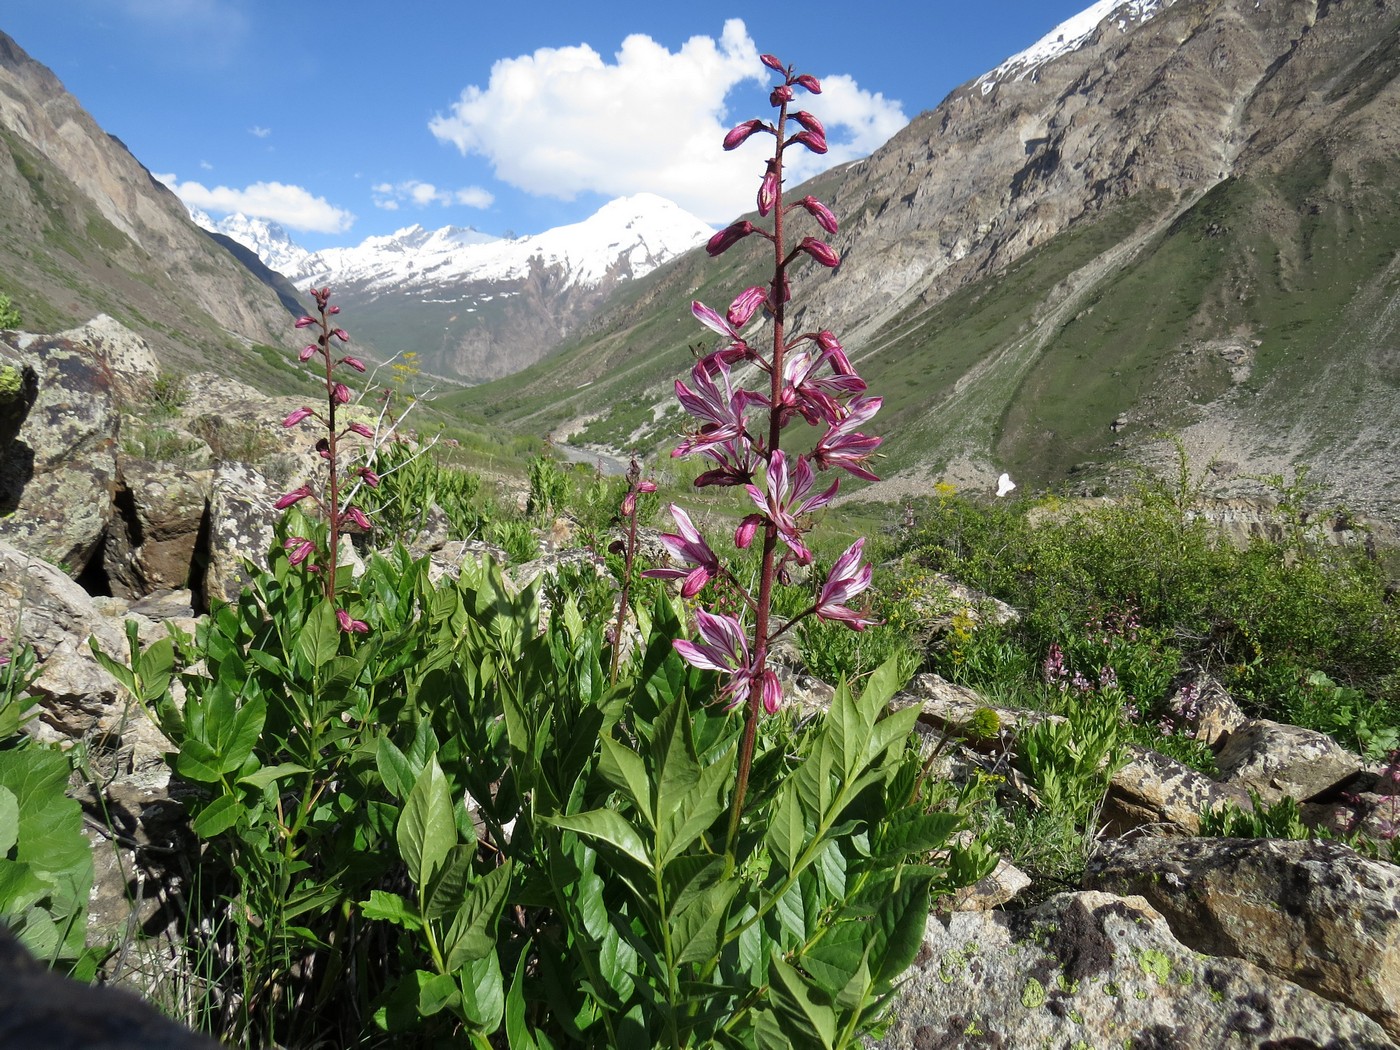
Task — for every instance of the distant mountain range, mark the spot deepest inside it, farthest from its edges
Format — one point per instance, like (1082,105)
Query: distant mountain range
(474,306)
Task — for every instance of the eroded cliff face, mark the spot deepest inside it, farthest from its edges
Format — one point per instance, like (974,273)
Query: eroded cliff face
(86,229)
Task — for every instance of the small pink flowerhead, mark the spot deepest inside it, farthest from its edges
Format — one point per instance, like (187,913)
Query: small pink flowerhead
(344,336)
(341,393)
(745,305)
(812,140)
(356,517)
(739,134)
(307,351)
(361,429)
(305,322)
(646,485)
(350,626)
(820,251)
(332,310)
(772,692)
(809,122)
(780,94)
(300,547)
(728,237)
(768,190)
(809,82)
(744,534)
(293,418)
(369,477)
(353,362)
(773,63)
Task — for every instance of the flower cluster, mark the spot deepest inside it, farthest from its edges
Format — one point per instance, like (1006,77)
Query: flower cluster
(340,516)
(739,428)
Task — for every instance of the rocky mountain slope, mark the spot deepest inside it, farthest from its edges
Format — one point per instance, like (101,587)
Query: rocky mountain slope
(85,229)
(1184,223)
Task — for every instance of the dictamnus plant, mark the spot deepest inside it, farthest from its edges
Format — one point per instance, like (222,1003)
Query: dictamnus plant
(331,500)
(745,395)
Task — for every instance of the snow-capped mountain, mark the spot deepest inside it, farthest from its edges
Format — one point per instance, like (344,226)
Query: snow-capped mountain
(1069,35)
(272,244)
(639,232)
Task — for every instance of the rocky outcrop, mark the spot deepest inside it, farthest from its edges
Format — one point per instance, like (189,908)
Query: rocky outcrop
(1313,913)
(1276,761)
(1096,970)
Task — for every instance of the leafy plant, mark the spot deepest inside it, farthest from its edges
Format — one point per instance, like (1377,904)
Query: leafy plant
(9,315)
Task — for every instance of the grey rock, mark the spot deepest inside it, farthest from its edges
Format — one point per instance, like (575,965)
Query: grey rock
(1154,791)
(241,520)
(1095,970)
(1311,912)
(1275,760)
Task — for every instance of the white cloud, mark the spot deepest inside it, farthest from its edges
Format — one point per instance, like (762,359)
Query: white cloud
(291,206)
(258,131)
(562,121)
(389,196)
(206,166)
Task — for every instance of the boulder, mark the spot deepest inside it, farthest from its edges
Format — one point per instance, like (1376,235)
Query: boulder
(241,520)
(1152,790)
(1275,760)
(1206,708)
(1091,969)
(1311,912)
(58,472)
(162,511)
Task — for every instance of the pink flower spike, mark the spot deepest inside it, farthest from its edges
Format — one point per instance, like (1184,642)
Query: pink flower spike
(819,211)
(350,626)
(296,417)
(745,305)
(820,251)
(341,392)
(295,496)
(847,579)
(361,429)
(810,82)
(740,133)
(370,477)
(307,351)
(353,362)
(305,322)
(773,63)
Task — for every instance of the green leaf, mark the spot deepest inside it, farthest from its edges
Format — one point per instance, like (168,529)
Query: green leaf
(260,778)
(796,1000)
(623,768)
(427,831)
(449,890)
(20,887)
(518,1036)
(787,832)
(913,832)
(245,731)
(115,668)
(697,809)
(198,761)
(9,820)
(483,992)
(394,768)
(473,932)
(153,669)
(390,907)
(217,817)
(437,992)
(319,639)
(697,930)
(606,825)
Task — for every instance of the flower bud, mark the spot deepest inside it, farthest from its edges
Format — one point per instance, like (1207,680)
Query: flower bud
(307,351)
(357,517)
(361,429)
(344,336)
(348,625)
(728,237)
(820,251)
(332,310)
(768,190)
(300,547)
(296,417)
(809,122)
(810,82)
(369,477)
(745,305)
(744,534)
(295,496)
(780,94)
(359,366)
(629,504)
(772,62)
(646,486)
(819,211)
(813,141)
(341,392)
(305,322)
(741,132)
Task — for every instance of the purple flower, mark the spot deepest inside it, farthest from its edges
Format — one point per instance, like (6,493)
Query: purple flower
(847,579)
(361,429)
(353,362)
(768,190)
(344,336)
(305,322)
(307,351)
(295,496)
(341,393)
(369,477)
(787,500)
(809,123)
(745,305)
(350,626)
(812,140)
(721,411)
(712,320)
(843,447)
(771,61)
(723,647)
(744,534)
(810,82)
(296,417)
(689,547)
(300,547)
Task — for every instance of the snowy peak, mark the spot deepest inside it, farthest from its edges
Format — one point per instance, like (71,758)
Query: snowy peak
(271,243)
(1070,35)
(642,232)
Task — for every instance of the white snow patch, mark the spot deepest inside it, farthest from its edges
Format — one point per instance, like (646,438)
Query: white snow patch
(1068,36)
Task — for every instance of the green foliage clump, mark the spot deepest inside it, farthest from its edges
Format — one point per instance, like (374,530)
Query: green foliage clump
(9,314)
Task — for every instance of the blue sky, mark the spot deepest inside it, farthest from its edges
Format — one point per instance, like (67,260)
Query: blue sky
(352,119)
